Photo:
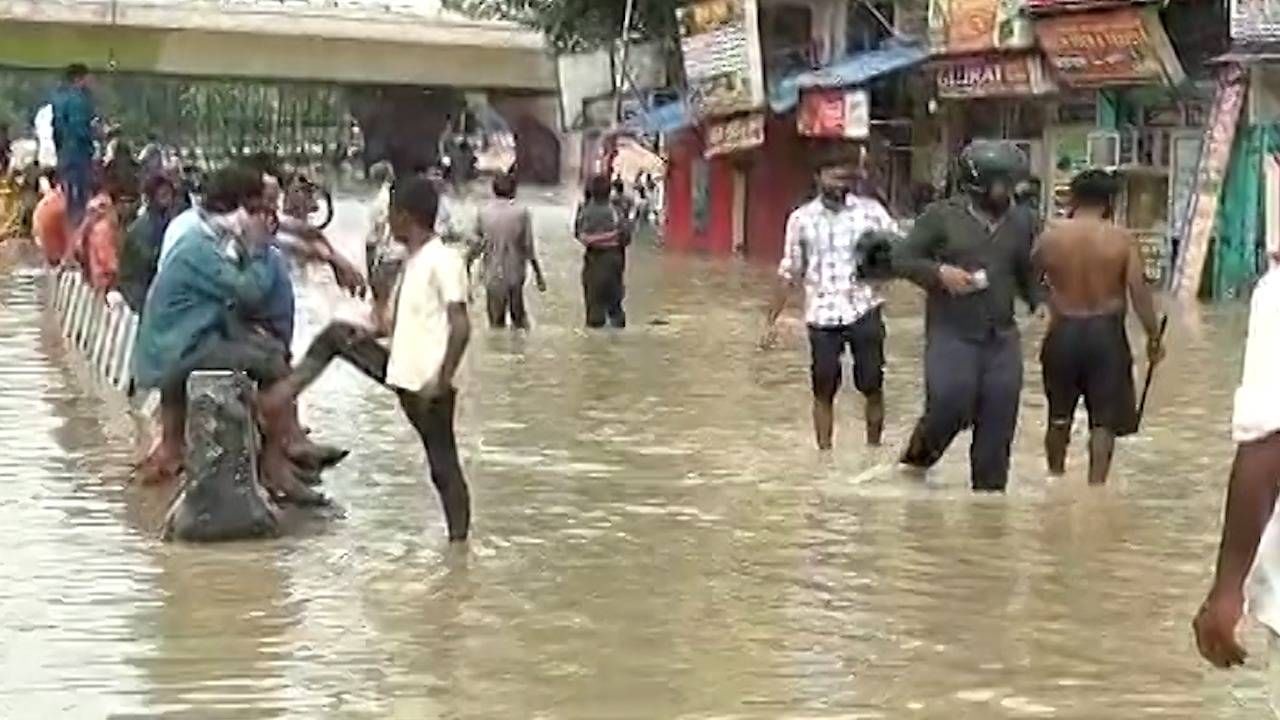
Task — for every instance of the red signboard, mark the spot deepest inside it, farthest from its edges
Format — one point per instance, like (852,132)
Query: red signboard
(1127,46)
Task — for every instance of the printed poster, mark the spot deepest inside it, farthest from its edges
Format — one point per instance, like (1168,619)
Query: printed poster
(1255,20)
(723,62)
(734,135)
(963,27)
(835,113)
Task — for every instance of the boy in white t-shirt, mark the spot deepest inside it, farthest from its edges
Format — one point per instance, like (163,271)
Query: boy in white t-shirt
(1248,570)
(429,328)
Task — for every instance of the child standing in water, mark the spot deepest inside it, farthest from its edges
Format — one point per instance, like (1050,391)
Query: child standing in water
(429,328)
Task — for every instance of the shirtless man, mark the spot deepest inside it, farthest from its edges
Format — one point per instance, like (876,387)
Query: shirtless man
(1092,268)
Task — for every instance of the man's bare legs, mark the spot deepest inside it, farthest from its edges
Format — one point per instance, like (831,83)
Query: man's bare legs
(1102,447)
(164,461)
(1057,438)
(875,418)
(823,422)
(279,473)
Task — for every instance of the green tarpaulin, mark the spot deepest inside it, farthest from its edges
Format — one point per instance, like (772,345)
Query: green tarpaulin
(1236,258)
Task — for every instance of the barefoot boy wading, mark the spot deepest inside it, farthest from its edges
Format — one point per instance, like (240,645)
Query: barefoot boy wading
(429,333)
(1091,266)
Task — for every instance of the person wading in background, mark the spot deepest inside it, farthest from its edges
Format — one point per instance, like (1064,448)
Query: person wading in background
(605,235)
(821,253)
(507,250)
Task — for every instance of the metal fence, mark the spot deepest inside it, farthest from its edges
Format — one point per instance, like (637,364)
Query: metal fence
(103,334)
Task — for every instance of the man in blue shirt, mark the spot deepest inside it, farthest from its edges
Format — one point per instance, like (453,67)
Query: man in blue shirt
(73,135)
(198,316)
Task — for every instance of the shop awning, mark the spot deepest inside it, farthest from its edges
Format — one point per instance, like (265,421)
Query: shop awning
(850,71)
(662,119)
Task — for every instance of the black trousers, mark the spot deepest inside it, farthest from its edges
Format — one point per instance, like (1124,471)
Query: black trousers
(974,383)
(260,356)
(432,418)
(504,301)
(602,286)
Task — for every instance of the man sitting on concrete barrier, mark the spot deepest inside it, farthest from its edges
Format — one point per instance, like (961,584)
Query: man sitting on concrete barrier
(429,333)
(217,273)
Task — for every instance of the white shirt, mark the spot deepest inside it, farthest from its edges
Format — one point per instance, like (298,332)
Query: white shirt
(821,248)
(47,151)
(434,278)
(1257,415)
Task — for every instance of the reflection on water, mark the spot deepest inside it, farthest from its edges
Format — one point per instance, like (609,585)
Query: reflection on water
(654,538)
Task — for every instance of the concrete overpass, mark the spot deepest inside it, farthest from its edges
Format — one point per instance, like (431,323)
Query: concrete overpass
(341,41)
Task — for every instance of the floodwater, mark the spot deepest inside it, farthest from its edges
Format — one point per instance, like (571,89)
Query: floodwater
(654,538)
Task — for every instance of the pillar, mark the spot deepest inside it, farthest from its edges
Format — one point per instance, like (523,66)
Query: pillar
(222,499)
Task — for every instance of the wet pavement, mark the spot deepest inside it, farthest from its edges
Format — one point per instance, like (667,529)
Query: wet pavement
(655,538)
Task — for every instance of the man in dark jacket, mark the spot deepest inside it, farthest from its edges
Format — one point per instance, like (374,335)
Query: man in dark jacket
(971,253)
(142,242)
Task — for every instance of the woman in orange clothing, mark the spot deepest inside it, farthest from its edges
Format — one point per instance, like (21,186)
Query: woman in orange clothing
(100,242)
(49,224)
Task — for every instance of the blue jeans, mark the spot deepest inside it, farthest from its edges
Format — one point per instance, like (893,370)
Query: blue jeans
(76,177)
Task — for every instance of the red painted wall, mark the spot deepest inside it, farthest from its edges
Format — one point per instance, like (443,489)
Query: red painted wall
(685,152)
(778,179)
(777,183)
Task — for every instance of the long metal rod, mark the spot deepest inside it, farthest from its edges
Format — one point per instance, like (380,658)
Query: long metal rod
(626,58)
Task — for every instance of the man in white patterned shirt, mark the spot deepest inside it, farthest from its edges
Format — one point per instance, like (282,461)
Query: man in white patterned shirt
(821,253)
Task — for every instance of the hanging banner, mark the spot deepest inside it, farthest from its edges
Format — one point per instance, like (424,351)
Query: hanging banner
(1255,20)
(734,135)
(994,76)
(834,113)
(962,27)
(1127,46)
(723,63)
(1211,171)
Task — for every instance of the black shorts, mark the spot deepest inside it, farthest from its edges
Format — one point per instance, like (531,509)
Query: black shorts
(865,340)
(1090,357)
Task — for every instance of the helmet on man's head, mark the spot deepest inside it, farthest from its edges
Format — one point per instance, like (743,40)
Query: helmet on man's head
(983,161)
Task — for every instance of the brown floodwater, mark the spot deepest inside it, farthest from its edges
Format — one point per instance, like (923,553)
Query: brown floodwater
(655,537)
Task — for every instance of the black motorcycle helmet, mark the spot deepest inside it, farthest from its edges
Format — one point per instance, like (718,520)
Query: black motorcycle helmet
(984,161)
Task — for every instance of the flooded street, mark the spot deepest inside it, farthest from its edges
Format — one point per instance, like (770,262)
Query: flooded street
(655,537)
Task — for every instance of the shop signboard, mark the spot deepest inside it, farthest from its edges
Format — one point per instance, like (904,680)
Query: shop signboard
(964,27)
(1125,46)
(723,65)
(1255,20)
(994,76)
(835,113)
(1211,171)
(734,134)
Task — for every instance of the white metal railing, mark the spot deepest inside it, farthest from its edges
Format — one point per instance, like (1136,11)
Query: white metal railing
(103,334)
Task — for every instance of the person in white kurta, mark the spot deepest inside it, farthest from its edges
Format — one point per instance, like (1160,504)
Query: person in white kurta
(1248,571)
